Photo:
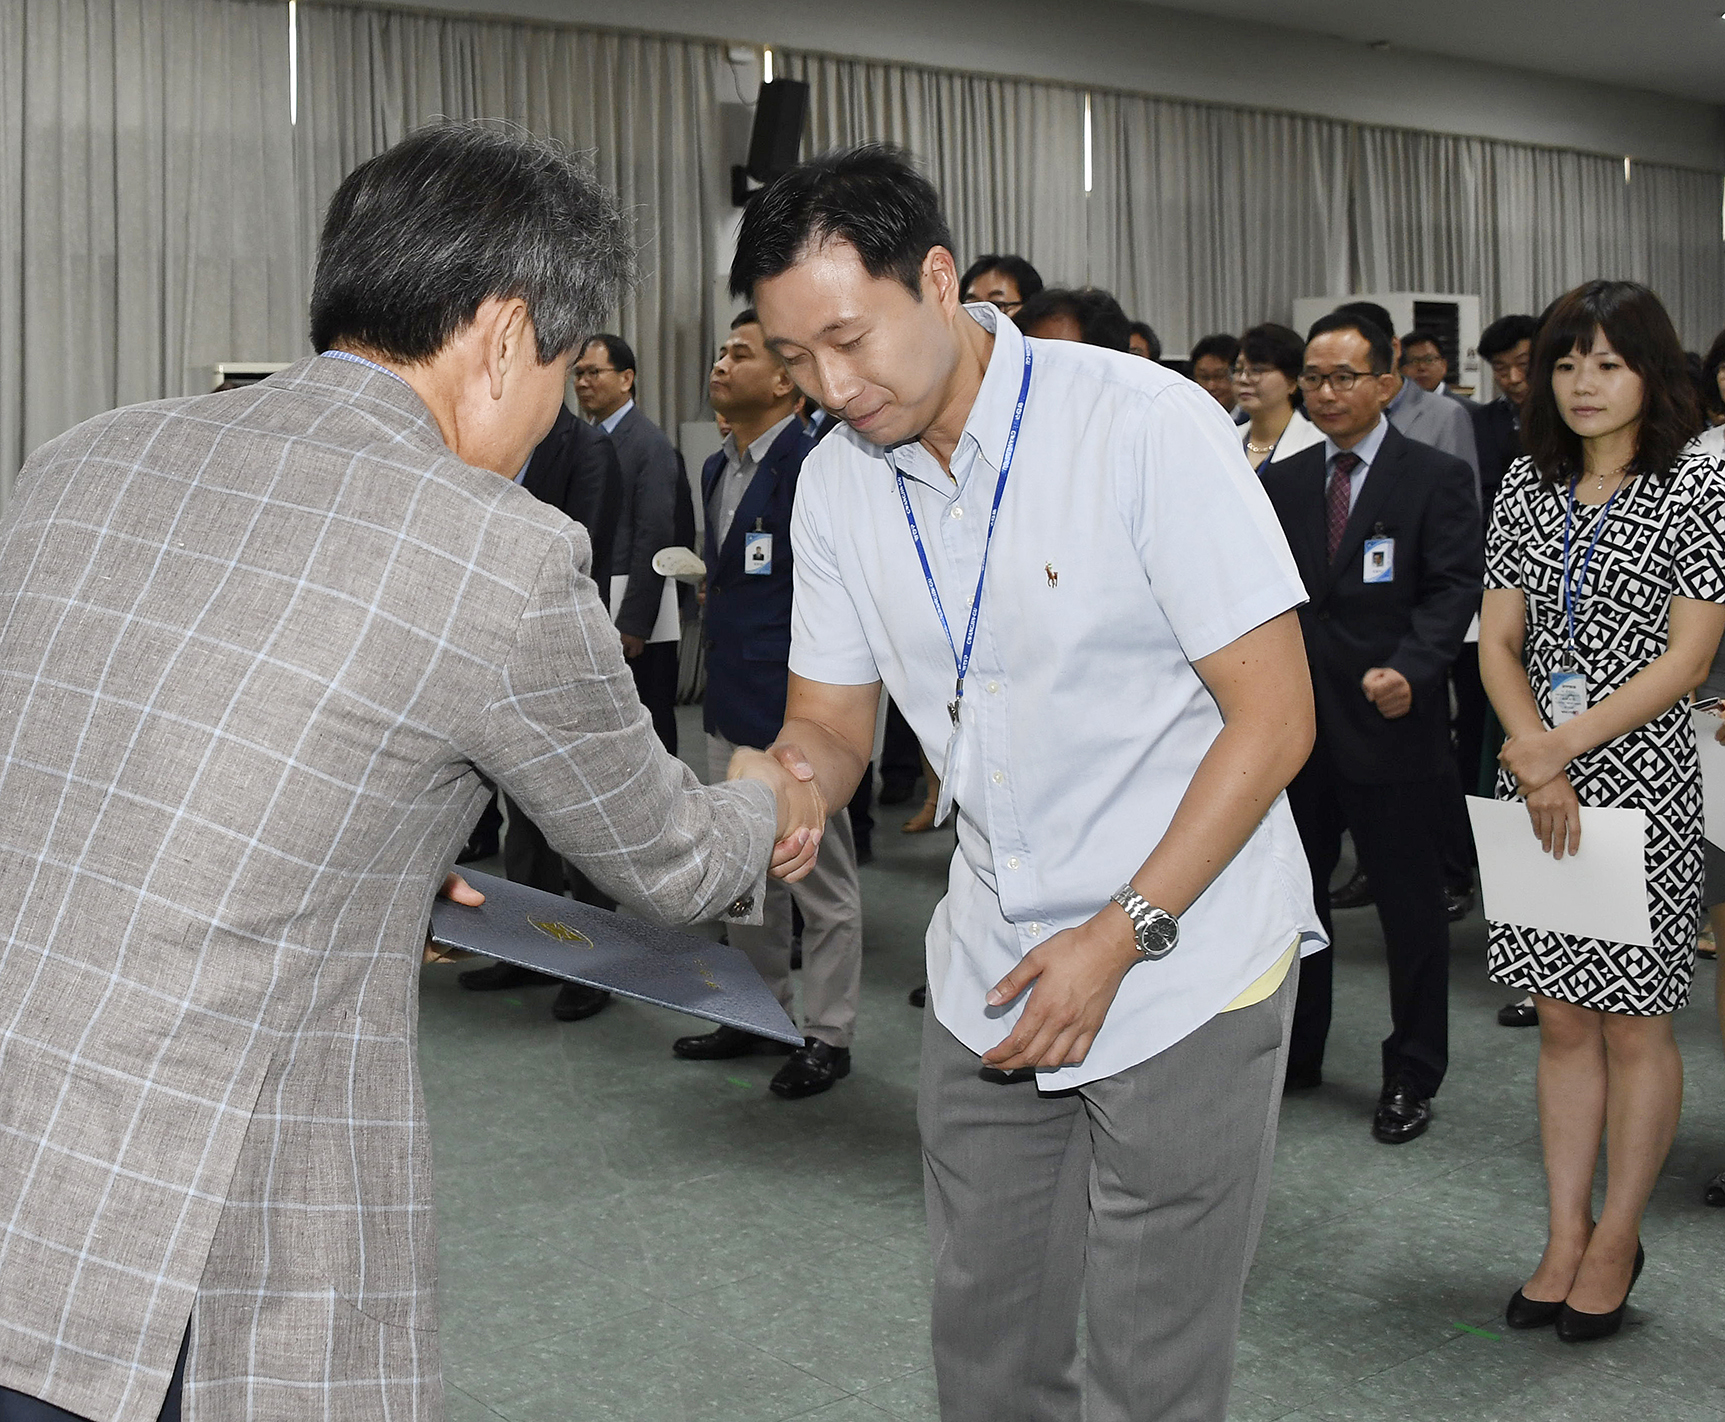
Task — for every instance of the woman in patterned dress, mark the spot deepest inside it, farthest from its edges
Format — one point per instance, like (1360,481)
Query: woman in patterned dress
(1592,690)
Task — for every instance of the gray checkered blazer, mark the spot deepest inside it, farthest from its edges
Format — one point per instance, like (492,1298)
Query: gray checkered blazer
(255,649)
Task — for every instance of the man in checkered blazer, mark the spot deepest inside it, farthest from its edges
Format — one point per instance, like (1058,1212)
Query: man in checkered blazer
(260,652)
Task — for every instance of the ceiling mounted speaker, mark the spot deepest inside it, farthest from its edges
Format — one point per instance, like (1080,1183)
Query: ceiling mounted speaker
(776,141)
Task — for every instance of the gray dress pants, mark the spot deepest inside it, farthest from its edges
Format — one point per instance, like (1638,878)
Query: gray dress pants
(1137,1197)
(831,901)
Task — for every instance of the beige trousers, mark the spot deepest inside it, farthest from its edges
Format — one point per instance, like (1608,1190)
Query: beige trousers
(831,902)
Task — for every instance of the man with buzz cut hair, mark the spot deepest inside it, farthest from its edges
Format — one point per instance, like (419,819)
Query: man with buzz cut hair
(263,655)
(750,489)
(1057,561)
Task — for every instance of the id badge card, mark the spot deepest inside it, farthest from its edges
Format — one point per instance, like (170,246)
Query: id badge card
(1380,560)
(952,768)
(758,553)
(1568,696)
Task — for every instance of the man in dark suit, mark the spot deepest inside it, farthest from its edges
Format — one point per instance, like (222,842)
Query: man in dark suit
(1419,413)
(656,507)
(575,469)
(1506,346)
(1387,538)
(748,489)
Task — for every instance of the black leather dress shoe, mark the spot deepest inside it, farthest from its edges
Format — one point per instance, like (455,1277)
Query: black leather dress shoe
(1302,1078)
(575,1001)
(1714,1194)
(1401,1114)
(918,996)
(1457,903)
(500,976)
(1574,1326)
(1524,1313)
(1518,1014)
(812,1069)
(726,1042)
(1356,893)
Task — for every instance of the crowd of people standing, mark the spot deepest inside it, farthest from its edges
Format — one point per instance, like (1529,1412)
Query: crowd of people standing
(266,652)
(1599,434)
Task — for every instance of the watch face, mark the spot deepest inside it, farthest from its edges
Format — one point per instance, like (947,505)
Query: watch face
(1156,938)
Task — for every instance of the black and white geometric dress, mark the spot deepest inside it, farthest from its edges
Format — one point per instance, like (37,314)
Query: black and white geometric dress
(1664,538)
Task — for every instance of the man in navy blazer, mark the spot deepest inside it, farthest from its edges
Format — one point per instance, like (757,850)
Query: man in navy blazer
(748,489)
(1386,534)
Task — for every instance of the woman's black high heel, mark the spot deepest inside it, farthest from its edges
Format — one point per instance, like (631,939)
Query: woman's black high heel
(1523,1312)
(1574,1326)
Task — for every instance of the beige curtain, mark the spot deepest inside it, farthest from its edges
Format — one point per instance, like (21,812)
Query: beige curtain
(1006,154)
(1209,219)
(1203,218)
(158,213)
(645,108)
(1677,245)
(147,227)
(1521,225)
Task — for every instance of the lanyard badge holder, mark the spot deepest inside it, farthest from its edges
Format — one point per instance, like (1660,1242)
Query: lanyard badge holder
(1569,682)
(961,660)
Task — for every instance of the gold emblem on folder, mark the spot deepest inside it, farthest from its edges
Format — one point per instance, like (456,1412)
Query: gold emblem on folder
(562,932)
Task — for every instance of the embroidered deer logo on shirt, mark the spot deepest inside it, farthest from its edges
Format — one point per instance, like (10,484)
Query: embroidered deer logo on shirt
(1053,574)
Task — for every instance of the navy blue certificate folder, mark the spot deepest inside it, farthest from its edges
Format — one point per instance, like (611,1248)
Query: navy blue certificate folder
(583,944)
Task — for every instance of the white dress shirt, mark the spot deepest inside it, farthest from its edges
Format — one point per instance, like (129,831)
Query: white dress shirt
(1366,451)
(1133,539)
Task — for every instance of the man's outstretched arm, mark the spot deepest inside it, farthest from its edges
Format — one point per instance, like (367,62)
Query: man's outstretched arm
(833,727)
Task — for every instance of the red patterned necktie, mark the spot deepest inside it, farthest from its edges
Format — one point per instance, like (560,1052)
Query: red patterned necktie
(1341,473)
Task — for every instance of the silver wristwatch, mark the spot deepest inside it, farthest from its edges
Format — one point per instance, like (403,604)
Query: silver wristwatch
(1155,930)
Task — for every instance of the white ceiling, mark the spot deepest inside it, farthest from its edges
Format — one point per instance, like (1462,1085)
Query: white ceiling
(1668,46)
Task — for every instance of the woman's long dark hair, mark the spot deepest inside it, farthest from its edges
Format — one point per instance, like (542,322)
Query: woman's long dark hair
(1636,324)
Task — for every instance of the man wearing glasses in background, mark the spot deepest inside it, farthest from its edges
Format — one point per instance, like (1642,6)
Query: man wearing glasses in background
(1506,346)
(1424,363)
(1006,282)
(1386,535)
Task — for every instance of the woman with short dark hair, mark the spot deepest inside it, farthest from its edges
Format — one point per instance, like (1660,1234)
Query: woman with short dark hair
(1605,571)
(1265,385)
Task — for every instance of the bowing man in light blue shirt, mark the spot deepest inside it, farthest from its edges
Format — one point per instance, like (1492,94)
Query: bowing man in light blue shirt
(1057,561)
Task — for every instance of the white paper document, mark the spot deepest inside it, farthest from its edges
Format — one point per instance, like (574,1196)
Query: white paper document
(1712,776)
(1598,892)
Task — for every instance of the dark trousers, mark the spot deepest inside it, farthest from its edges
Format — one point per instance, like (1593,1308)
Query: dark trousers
(900,753)
(656,671)
(21,1407)
(1395,837)
(528,858)
(861,808)
(1467,727)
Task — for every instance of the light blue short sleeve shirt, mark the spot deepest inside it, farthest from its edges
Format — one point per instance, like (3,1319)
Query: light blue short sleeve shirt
(1133,540)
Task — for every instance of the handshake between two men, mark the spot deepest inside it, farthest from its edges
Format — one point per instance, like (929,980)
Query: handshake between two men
(802,807)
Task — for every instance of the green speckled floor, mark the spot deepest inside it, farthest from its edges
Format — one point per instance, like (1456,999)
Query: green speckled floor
(630,1238)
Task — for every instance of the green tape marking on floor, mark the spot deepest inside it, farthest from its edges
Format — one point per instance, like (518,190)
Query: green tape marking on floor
(1477,1332)
(738,1081)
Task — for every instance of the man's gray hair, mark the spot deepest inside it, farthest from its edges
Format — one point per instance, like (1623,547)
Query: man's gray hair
(419,236)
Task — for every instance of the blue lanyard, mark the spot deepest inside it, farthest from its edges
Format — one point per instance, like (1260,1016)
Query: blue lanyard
(962,660)
(1572,592)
